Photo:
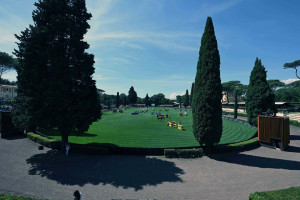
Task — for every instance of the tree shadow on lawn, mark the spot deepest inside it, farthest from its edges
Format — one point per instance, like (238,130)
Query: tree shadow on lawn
(256,161)
(119,171)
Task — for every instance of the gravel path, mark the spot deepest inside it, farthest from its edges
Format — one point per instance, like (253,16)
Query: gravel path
(48,174)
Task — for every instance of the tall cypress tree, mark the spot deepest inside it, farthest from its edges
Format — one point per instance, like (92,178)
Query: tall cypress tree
(147,100)
(124,100)
(192,92)
(118,100)
(260,97)
(186,99)
(55,85)
(207,108)
(132,96)
(235,104)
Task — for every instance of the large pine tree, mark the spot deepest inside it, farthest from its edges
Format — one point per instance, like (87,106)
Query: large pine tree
(207,94)
(55,85)
(260,97)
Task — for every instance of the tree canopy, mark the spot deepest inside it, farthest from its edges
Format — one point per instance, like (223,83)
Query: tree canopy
(260,97)
(55,85)
(275,83)
(293,65)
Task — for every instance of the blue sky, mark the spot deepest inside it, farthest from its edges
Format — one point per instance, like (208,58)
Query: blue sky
(153,45)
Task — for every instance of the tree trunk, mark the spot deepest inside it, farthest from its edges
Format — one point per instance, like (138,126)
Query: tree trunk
(64,141)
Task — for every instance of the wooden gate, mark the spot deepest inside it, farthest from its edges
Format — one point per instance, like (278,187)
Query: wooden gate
(274,130)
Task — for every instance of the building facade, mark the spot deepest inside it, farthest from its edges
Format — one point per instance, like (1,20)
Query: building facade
(8,91)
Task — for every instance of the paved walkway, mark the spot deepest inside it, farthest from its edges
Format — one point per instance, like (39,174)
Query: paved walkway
(48,174)
(293,116)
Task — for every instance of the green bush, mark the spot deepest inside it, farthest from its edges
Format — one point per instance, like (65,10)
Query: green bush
(294,123)
(51,143)
(232,113)
(13,197)
(55,144)
(237,146)
(183,153)
(292,193)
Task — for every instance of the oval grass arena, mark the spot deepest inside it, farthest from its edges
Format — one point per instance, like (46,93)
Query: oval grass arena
(146,131)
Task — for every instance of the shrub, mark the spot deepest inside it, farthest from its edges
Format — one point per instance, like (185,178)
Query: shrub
(79,148)
(294,123)
(292,193)
(13,197)
(51,143)
(237,146)
(183,153)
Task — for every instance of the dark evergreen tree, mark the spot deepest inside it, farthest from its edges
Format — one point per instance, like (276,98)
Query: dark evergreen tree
(118,100)
(132,96)
(260,97)
(179,100)
(207,108)
(235,104)
(55,85)
(147,100)
(186,99)
(192,92)
(124,100)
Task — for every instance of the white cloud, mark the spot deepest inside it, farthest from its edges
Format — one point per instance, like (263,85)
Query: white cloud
(215,8)
(289,80)
(174,94)
(99,77)
(11,75)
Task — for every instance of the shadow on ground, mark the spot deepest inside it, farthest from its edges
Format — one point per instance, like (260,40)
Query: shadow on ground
(295,137)
(257,161)
(15,137)
(119,171)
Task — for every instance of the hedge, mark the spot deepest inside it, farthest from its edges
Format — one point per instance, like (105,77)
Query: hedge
(239,114)
(55,144)
(292,193)
(295,123)
(248,144)
(50,143)
(183,153)
(14,197)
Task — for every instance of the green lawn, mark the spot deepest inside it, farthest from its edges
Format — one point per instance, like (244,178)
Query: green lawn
(145,130)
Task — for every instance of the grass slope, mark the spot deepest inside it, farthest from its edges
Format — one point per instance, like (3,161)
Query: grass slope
(144,130)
